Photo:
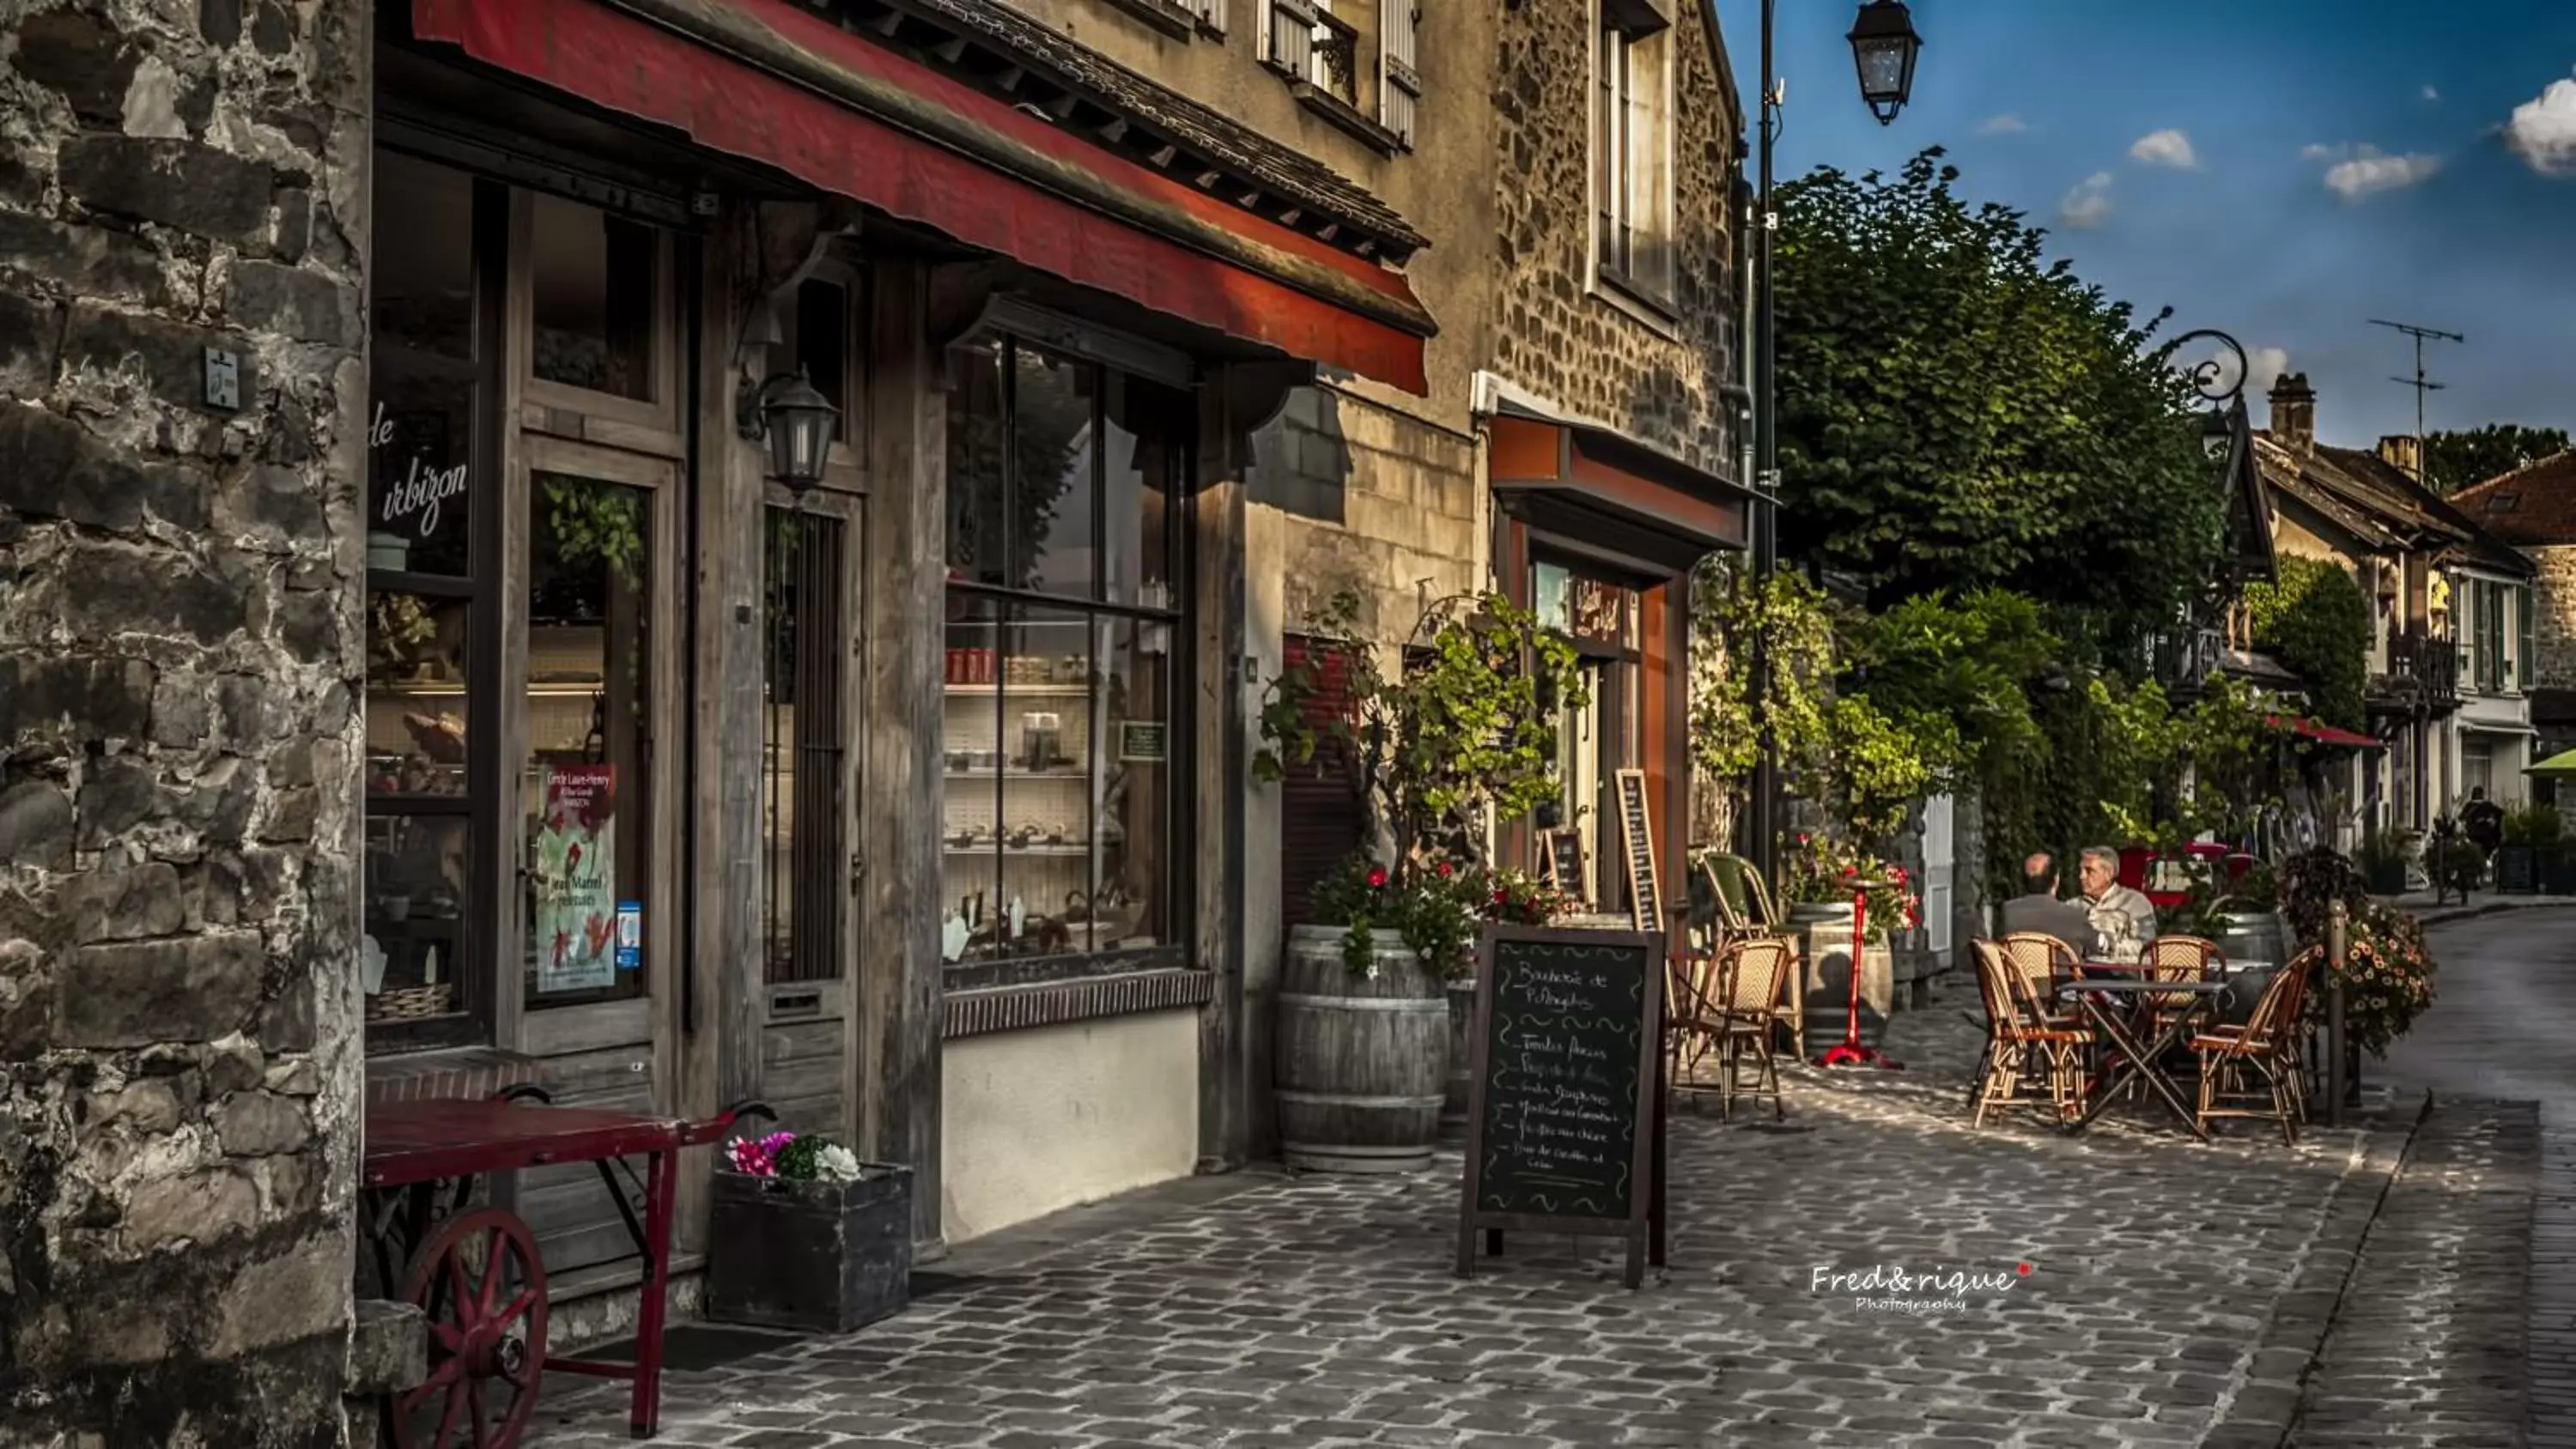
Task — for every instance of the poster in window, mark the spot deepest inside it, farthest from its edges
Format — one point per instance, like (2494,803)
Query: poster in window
(574,878)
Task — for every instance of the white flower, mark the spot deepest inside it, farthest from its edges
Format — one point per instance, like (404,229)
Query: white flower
(1372,974)
(836,1163)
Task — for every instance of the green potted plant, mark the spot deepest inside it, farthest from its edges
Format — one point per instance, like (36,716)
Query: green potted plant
(1460,738)
(2557,858)
(2517,857)
(2383,860)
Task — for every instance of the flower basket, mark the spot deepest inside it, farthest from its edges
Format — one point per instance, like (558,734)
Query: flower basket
(820,1257)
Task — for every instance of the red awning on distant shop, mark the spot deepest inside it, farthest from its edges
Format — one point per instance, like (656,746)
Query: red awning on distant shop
(2323,734)
(764,80)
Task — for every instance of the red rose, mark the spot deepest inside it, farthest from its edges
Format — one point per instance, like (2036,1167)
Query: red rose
(1499,897)
(1444,868)
(1377,876)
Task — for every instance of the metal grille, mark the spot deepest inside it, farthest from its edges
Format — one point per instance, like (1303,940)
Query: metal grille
(805,811)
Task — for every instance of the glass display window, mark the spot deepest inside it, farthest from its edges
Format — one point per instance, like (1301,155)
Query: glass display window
(1059,728)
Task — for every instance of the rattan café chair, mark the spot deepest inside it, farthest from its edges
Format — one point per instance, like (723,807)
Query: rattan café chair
(2021,1045)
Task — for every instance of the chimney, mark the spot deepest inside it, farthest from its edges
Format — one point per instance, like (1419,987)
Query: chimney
(2294,413)
(2405,453)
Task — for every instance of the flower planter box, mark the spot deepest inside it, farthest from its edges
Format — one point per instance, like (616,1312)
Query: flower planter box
(821,1257)
(2386,878)
(2558,871)
(2517,870)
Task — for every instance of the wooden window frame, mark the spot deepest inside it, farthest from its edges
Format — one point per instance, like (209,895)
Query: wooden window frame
(1632,207)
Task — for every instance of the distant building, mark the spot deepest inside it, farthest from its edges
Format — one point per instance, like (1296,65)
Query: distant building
(2534,509)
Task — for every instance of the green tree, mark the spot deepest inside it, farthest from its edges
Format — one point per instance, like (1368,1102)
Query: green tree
(1958,413)
(2316,620)
(2454,460)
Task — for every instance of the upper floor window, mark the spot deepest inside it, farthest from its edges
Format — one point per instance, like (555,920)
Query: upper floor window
(1349,61)
(1632,127)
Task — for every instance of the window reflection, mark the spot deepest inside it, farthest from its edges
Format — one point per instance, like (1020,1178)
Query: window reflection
(977,476)
(595,298)
(421,266)
(1053,447)
(416,694)
(417,870)
(586,785)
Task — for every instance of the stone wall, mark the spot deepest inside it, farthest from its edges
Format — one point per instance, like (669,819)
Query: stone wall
(2553,599)
(1551,334)
(179,667)
(1375,502)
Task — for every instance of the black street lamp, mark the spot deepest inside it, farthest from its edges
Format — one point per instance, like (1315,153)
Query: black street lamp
(796,422)
(1884,47)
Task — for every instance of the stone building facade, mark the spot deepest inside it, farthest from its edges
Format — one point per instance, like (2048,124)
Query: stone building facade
(237,823)
(2534,509)
(183,228)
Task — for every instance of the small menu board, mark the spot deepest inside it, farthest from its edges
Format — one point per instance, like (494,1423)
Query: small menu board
(1637,837)
(1564,1119)
(1565,864)
(2514,870)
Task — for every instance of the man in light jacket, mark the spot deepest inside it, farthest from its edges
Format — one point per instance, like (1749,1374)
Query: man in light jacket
(2123,920)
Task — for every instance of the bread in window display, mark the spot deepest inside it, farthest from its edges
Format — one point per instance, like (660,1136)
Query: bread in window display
(440,736)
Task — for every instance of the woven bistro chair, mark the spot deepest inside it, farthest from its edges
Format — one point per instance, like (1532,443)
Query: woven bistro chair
(2244,1068)
(1752,985)
(1745,908)
(2021,1043)
(2177,958)
(2044,963)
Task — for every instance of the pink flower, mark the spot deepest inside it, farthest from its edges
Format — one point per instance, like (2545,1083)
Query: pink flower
(1444,868)
(1377,876)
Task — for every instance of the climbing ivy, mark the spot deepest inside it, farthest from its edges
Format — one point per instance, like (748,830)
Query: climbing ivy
(2316,620)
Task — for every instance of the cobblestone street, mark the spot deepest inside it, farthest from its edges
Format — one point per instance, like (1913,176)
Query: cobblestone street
(2176,1294)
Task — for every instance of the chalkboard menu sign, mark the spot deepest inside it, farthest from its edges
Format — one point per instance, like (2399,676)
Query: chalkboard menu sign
(1564,1122)
(1565,864)
(2515,870)
(1637,837)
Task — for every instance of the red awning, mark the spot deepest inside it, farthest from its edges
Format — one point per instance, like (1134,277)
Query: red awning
(1281,287)
(2323,734)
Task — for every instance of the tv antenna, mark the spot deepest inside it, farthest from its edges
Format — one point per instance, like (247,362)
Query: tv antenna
(2419,382)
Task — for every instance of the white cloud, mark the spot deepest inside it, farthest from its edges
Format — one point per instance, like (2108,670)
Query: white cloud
(2543,130)
(2369,171)
(2086,205)
(2431,94)
(2003,126)
(2324,153)
(2264,366)
(2165,148)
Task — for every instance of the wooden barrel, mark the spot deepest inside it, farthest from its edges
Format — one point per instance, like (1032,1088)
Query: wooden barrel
(1362,1063)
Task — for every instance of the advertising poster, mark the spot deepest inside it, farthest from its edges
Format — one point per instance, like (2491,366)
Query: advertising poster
(574,865)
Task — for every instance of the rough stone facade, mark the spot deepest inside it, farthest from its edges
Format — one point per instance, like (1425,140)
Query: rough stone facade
(2553,601)
(1375,502)
(179,674)
(1553,335)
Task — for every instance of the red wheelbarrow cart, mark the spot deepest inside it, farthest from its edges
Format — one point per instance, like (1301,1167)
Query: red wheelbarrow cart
(474,1271)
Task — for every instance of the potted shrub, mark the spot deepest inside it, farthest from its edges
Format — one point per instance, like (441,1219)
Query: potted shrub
(2387,979)
(2557,853)
(2383,861)
(806,1236)
(2517,857)
(1464,736)
(1512,896)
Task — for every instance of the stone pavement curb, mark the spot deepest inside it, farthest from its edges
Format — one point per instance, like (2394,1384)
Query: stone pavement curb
(2427,915)
(2265,1408)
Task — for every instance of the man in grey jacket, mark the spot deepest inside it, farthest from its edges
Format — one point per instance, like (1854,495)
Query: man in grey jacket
(2123,920)
(2038,908)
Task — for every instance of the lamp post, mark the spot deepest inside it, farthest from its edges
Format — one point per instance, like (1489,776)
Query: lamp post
(1884,47)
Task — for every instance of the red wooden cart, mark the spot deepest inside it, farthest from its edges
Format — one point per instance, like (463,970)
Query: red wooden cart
(474,1271)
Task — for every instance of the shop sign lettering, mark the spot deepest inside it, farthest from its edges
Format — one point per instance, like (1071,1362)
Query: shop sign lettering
(420,491)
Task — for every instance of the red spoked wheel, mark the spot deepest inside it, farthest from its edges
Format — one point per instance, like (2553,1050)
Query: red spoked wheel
(479,1284)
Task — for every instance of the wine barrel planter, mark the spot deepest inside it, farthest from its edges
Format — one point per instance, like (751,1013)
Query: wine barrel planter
(1363,1064)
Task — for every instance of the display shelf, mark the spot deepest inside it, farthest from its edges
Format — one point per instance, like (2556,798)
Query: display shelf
(972,774)
(1073,851)
(1018,691)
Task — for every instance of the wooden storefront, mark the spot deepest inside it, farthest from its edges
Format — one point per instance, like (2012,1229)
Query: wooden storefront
(683,788)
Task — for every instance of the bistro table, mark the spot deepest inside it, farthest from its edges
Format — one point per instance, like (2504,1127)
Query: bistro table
(2102,1003)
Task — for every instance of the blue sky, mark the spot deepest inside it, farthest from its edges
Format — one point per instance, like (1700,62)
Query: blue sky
(2281,170)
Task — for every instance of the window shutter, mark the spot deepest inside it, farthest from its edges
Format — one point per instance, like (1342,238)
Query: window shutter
(2524,657)
(1210,13)
(1399,80)
(1320,819)
(1288,39)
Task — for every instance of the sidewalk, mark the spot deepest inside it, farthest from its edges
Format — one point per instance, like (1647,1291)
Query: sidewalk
(2177,1293)
(2419,904)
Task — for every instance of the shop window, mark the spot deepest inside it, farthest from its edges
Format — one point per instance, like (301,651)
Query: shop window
(586,779)
(804,807)
(1062,634)
(420,959)
(596,295)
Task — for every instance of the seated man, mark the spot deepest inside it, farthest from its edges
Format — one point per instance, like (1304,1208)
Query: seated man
(2123,920)
(2038,908)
